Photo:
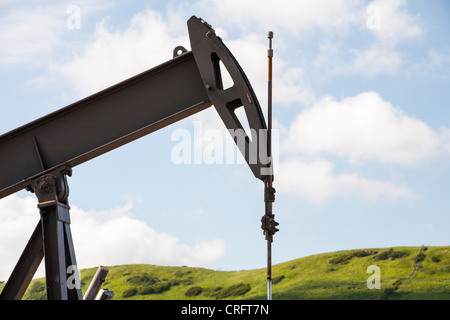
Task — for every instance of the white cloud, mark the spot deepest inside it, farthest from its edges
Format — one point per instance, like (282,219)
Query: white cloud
(109,237)
(293,17)
(395,24)
(358,129)
(363,127)
(390,24)
(116,237)
(26,35)
(19,218)
(444,137)
(435,63)
(316,181)
(381,25)
(376,59)
(33,33)
(115,55)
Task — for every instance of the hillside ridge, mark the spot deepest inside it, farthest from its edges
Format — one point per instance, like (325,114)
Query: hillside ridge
(401,273)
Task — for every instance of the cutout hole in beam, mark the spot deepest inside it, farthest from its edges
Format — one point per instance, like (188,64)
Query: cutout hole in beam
(222,77)
(240,116)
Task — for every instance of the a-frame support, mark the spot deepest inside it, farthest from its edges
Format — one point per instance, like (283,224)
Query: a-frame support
(52,240)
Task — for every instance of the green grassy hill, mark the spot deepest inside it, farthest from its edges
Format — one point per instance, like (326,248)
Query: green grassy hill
(405,273)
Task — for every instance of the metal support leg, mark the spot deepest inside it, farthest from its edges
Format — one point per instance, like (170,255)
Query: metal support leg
(58,252)
(51,239)
(73,285)
(52,192)
(55,264)
(26,267)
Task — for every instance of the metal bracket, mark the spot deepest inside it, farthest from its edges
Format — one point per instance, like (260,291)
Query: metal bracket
(269,226)
(52,240)
(178,51)
(52,186)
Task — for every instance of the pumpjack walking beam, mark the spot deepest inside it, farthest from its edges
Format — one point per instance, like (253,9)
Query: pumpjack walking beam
(147,102)
(40,155)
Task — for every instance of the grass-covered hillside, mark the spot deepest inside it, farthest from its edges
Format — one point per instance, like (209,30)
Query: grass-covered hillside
(404,273)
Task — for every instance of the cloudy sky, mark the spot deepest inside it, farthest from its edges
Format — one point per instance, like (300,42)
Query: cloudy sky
(361,112)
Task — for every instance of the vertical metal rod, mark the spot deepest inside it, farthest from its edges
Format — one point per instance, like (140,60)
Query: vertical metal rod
(269,102)
(269,267)
(270,176)
(269,241)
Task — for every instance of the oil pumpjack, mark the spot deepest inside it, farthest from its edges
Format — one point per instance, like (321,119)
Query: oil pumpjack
(40,155)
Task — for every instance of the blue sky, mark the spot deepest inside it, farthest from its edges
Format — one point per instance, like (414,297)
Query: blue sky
(361,109)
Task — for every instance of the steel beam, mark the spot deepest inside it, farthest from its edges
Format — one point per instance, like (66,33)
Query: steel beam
(176,89)
(102,122)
